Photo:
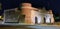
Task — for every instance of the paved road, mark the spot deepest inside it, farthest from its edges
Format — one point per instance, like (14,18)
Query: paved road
(29,27)
(21,26)
(44,27)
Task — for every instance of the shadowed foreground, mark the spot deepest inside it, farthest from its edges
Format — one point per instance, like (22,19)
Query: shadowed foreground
(29,27)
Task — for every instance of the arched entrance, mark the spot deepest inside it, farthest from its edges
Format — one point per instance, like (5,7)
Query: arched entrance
(44,20)
(36,21)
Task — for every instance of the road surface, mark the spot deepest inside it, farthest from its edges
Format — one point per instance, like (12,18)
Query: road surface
(30,27)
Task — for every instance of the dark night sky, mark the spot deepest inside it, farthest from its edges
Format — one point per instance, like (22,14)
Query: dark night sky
(49,4)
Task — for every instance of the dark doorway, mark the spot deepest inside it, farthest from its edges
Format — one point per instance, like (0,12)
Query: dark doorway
(36,22)
(22,18)
(44,20)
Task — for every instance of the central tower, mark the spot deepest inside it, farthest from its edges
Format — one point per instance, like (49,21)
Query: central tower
(26,10)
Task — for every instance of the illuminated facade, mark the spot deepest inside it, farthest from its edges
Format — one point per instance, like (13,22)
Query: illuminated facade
(29,15)
(35,15)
